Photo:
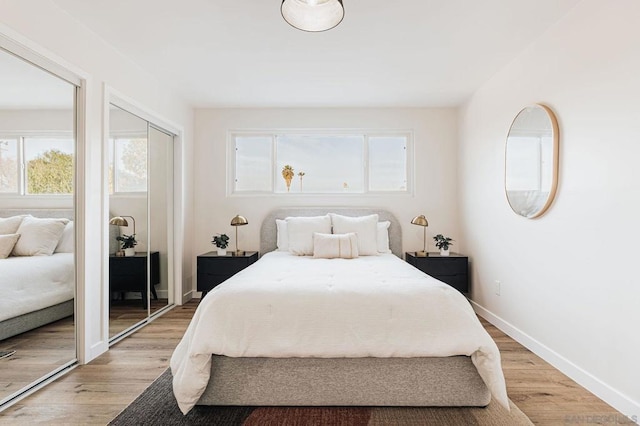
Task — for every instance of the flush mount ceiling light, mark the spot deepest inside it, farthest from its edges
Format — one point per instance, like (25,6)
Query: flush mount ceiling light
(312,15)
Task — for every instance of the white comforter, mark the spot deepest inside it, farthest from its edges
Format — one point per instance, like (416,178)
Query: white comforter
(289,306)
(31,283)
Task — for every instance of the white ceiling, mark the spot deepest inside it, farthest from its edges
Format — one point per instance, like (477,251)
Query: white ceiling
(241,53)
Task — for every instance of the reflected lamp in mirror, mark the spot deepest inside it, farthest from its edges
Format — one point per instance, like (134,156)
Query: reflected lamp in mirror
(235,222)
(121,221)
(531,161)
(421,221)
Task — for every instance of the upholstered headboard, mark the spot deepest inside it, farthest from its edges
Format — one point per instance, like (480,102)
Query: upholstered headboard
(44,213)
(268,232)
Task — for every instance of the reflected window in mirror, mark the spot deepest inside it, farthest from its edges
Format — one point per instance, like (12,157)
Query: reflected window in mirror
(531,161)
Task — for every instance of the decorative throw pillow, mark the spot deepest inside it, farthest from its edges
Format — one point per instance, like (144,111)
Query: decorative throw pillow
(38,237)
(335,246)
(7,242)
(10,225)
(67,240)
(383,237)
(300,232)
(282,235)
(365,227)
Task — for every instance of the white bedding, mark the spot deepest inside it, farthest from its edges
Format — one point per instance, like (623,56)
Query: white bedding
(30,283)
(289,306)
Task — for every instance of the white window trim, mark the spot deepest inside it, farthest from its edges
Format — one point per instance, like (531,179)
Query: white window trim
(272,133)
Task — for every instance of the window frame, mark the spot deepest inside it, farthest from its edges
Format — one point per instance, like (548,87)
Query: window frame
(274,133)
(22,166)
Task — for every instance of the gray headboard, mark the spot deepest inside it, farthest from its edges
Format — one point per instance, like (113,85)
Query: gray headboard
(268,232)
(43,213)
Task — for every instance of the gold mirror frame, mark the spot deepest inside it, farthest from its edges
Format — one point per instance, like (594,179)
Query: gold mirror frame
(529,203)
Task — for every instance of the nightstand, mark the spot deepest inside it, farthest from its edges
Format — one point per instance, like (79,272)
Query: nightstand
(129,273)
(214,269)
(452,269)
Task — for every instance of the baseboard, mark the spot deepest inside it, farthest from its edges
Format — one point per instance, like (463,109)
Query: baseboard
(585,379)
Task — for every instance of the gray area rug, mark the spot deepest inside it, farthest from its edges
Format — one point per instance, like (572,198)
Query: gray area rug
(157,406)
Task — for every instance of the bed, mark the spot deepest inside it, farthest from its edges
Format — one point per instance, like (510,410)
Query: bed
(371,330)
(37,290)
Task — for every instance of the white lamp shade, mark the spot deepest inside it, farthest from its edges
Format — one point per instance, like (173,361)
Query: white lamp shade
(312,15)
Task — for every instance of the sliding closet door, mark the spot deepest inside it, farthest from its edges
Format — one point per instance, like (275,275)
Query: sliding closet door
(37,237)
(128,217)
(141,196)
(160,217)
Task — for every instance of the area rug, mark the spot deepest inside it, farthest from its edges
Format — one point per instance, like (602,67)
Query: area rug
(157,406)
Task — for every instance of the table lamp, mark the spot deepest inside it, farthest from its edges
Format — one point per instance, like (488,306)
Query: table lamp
(235,222)
(421,221)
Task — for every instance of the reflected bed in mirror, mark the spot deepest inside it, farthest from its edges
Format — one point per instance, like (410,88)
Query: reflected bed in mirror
(531,161)
(38,118)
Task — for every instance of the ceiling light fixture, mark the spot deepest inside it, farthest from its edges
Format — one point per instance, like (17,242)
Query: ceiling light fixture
(312,15)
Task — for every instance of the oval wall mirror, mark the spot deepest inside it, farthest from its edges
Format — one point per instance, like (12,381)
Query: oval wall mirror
(531,161)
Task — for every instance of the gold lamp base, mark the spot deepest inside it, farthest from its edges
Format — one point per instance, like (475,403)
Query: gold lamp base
(422,254)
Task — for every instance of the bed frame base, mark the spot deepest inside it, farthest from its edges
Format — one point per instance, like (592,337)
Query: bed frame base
(450,381)
(26,322)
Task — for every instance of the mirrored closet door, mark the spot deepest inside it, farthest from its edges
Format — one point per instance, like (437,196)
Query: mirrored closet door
(140,220)
(37,216)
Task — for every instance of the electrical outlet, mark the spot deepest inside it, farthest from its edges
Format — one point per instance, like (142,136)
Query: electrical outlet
(497,288)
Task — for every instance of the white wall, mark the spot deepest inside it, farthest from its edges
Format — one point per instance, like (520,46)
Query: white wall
(42,26)
(570,288)
(435,173)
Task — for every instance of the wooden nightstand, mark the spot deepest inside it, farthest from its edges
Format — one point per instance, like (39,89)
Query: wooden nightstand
(130,274)
(452,269)
(214,269)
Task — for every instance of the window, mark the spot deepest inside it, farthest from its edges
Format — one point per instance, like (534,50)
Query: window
(127,164)
(9,160)
(36,165)
(320,163)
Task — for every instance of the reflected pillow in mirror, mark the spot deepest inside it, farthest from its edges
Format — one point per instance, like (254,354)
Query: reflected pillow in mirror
(39,237)
(67,241)
(335,246)
(7,242)
(10,225)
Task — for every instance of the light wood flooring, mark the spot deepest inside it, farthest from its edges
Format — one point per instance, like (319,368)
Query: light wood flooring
(97,392)
(38,352)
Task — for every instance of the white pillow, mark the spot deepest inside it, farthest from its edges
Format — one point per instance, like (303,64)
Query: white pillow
(7,242)
(38,237)
(282,235)
(10,225)
(300,232)
(335,246)
(365,227)
(67,240)
(383,237)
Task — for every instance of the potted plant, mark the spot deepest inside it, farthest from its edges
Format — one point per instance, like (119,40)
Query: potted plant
(128,242)
(443,244)
(222,242)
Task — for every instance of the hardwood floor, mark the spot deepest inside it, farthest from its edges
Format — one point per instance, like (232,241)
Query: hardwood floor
(97,392)
(38,352)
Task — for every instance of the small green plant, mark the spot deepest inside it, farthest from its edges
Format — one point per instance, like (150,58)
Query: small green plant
(221,241)
(442,242)
(127,241)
